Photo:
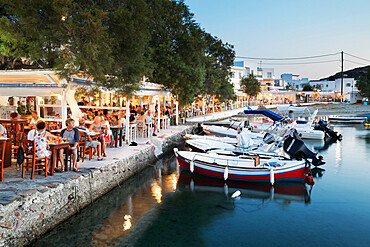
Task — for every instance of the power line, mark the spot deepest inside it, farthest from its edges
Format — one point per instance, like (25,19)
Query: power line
(357,57)
(288,58)
(314,62)
(346,60)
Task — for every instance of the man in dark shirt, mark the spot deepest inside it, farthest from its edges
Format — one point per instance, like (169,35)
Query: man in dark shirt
(73,137)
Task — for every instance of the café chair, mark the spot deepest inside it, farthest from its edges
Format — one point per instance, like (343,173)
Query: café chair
(2,155)
(38,164)
(83,148)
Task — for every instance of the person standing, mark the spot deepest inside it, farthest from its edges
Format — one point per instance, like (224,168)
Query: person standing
(73,137)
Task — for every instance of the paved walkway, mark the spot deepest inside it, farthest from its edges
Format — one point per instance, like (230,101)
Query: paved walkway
(14,186)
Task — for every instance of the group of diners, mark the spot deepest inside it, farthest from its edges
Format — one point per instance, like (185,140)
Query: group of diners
(71,135)
(138,115)
(95,132)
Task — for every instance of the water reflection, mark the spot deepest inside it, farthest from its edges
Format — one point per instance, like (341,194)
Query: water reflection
(280,191)
(317,172)
(116,215)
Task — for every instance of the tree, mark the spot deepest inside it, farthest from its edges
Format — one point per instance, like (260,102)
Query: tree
(69,36)
(250,85)
(307,88)
(105,40)
(128,23)
(219,59)
(363,85)
(177,49)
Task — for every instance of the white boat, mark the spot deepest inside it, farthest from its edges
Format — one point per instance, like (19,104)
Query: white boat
(204,145)
(229,140)
(227,132)
(347,120)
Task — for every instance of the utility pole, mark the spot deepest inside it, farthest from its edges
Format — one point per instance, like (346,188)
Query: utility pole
(341,83)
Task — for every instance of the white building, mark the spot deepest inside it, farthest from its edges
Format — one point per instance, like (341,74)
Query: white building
(294,82)
(239,70)
(350,91)
(349,85)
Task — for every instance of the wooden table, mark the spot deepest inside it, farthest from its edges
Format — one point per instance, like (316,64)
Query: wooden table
(119,131)
(8,152)
(54,148)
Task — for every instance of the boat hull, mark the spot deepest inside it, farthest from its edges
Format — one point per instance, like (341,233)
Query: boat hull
(347,120)
(292,174)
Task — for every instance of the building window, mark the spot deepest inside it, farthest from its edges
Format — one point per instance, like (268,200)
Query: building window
(348,84)
(233,75)
(327,85)
(269,75)
(240,75)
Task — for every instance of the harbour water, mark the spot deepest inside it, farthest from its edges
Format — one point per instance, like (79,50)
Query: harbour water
(163,207)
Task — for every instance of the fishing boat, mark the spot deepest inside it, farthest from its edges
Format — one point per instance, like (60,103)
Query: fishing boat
(243,168)
(347,120)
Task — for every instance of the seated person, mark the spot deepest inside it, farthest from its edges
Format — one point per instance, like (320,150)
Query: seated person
(2,131)
(73,137)
(35,119)
(150,118)
(132,118)
(115,121)
(97,126)
(90,142)
(40,136)
(90,115)
(142,118)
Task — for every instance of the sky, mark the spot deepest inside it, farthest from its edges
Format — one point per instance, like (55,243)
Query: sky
(291,28)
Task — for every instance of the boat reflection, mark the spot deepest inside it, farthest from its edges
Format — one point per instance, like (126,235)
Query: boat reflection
(280,191)
(317,172)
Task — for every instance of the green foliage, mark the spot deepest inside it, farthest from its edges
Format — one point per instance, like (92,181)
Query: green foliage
(219,59)
(363,84)
(21,110)
(115,43)
(250,85)
(177,49)
(307,88)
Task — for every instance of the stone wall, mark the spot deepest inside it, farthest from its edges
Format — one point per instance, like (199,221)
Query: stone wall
(37,211)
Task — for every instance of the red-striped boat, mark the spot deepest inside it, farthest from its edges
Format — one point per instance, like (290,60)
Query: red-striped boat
(243,168)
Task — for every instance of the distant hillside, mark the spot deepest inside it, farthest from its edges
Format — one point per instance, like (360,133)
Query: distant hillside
(353,73)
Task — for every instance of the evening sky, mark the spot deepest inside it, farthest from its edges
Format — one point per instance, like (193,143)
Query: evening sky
(290,28)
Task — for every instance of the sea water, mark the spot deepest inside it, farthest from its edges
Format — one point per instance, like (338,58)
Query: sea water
(162,207)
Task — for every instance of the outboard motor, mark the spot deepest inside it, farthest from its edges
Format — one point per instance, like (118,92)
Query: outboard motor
(298,150)
(323,126)
(199,129)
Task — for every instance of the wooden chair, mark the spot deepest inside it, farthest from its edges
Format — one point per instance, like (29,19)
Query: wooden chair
(2,155)
(37,163)
(84,149)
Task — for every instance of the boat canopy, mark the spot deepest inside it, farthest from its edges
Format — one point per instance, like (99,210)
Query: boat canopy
(267,113)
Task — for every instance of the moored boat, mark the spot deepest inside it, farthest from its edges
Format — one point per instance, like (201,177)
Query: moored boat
(347,120)
(244,168)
